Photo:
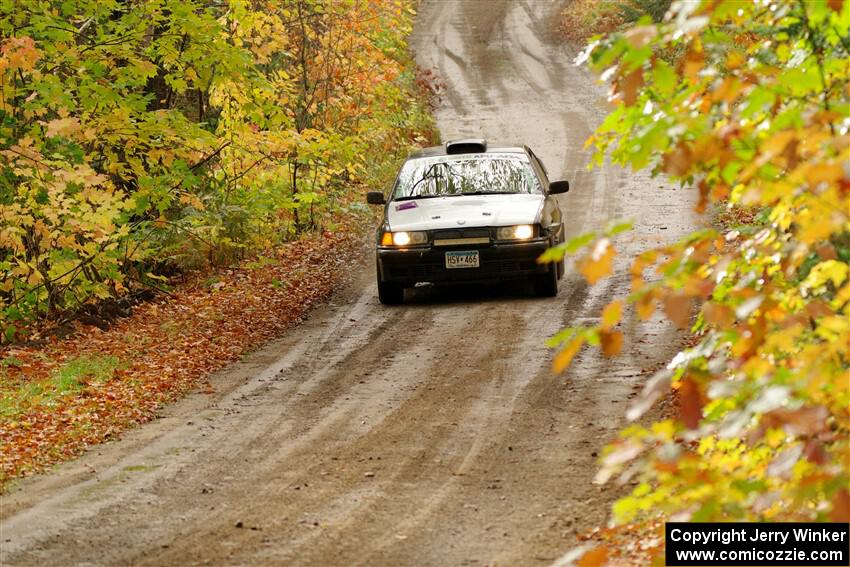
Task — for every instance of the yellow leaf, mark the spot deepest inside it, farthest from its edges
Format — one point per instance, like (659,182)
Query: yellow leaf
(645,306)
(783,341)
(776,144)
(665,429)
(735,59)
(829,271)
(824,173)
(612,314)
(833,327)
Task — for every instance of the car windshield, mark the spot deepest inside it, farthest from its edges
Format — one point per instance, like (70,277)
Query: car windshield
(446,176)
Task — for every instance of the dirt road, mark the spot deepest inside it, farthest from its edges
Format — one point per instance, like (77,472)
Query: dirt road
(430,434)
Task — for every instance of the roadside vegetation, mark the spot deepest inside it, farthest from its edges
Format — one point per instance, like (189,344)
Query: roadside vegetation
(584,19)
(179,180)
(139,140)
(748,103)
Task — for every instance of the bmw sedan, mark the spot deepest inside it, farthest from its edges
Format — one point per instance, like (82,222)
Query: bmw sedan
(468,212)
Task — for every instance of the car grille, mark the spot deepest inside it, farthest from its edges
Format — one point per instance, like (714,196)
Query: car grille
(461,233)
(461,237)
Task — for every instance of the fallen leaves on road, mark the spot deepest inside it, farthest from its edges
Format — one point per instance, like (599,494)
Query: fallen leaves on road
(165,348)
(624,545)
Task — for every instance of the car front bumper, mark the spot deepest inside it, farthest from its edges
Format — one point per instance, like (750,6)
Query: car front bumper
(497,261)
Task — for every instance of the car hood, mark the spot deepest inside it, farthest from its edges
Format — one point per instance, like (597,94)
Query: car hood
(464,211)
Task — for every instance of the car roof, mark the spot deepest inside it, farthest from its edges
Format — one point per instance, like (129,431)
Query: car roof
(435,151)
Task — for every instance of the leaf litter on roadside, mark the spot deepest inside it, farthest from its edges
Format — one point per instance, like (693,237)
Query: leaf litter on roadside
(57,400)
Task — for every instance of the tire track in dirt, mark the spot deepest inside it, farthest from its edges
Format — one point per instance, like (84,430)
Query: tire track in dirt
(428,434)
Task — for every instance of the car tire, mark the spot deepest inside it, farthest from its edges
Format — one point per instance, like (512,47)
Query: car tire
(390,293)
(546,285)
(562,268)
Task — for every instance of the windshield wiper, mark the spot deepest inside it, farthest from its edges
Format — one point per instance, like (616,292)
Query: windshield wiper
(412,197)
(430,196)
(486,193)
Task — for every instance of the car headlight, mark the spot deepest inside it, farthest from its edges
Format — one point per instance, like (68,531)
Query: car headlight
(404,238)
(516,232)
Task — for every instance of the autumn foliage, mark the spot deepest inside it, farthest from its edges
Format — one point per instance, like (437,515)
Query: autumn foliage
(57,400)
(749,104)
(140,139)
(207,157)
(583,19)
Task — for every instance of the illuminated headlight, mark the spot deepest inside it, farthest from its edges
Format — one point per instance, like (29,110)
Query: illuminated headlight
(517,232)
(404,238)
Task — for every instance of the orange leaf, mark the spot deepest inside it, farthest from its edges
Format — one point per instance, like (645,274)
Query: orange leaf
(629,84)
(703,197)
(612,342)
(61,127)
(827,252)
(718,315)
(693,61)
(690,403)
(637,267)
(192,200)
(18,53)
(841,506)
(637,283)
(807,420)
(565,357)
(596,557)
(598,263)
(641,35)
(677,162)
(677,307)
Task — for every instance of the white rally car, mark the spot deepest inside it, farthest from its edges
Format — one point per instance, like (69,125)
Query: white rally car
(468,212)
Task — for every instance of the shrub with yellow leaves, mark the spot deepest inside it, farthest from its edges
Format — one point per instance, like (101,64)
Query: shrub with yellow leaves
(749,103)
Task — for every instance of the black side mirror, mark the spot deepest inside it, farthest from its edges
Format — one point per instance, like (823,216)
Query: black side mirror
(375,198)
(558,187)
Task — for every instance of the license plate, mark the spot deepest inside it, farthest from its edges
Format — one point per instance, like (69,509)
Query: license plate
(464,259)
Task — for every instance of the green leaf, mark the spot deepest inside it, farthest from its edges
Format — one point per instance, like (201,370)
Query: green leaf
(556,253)
(618,227)
(664,78)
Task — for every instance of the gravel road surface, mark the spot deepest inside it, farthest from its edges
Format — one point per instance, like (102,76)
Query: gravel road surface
(427,434)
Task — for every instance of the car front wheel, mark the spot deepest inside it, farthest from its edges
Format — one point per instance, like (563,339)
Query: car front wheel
(390,293)
(546,285)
